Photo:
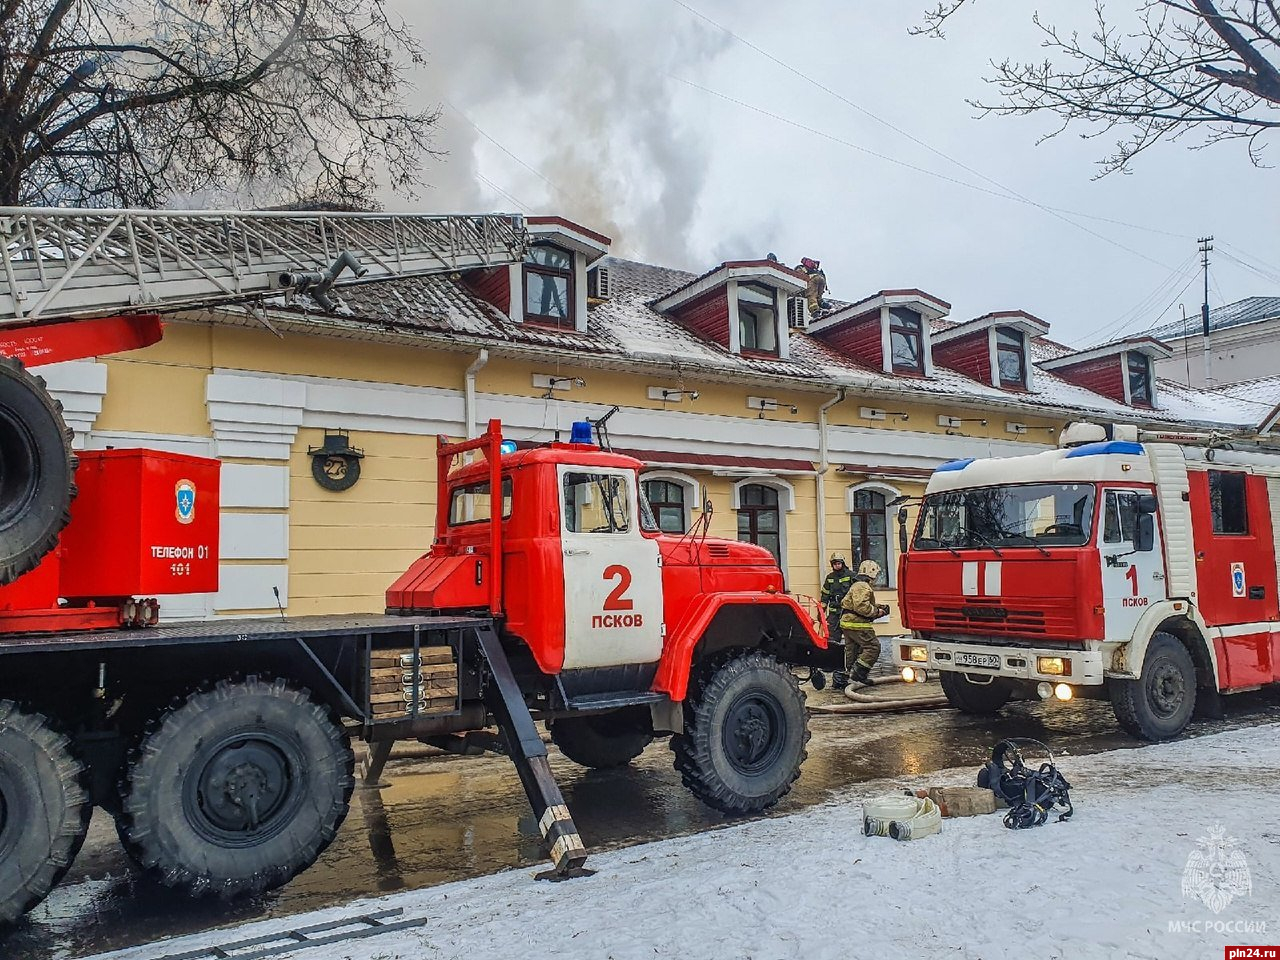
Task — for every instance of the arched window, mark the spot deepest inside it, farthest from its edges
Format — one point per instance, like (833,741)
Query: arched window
(869,531)
(667,501)
(760,517)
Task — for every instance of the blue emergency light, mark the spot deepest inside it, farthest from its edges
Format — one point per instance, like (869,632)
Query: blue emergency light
(507,446)
(581,432)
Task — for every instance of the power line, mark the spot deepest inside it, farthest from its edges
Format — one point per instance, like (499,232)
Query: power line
(1176,297)
(911,166)
(519,204)
(622,246)
(1112,327)
(914,139)
(1266,273)
(1248,256)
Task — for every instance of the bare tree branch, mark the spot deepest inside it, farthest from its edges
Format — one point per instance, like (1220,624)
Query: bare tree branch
(1191,65)
(112,102)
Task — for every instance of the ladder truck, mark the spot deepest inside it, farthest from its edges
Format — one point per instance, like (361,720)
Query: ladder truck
(222,748)
(1132,566)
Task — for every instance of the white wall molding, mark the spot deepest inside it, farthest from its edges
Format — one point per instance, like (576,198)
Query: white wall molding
(244,419)
(79,385)
(130,440)
(248,586)
(254,536)
(254,416)
(255,485)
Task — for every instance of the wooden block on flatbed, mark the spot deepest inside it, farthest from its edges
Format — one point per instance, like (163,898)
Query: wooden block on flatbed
(425,655)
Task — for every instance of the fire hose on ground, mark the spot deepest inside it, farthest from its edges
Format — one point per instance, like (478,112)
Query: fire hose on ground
(901,817)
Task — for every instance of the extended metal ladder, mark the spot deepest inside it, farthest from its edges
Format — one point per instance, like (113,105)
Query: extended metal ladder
(62,263)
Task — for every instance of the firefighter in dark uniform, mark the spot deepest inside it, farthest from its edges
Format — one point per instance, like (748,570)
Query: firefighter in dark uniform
(858,610)
(837,584)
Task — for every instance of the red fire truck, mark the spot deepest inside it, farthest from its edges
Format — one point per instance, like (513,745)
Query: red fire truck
(1139,568)
(222,747)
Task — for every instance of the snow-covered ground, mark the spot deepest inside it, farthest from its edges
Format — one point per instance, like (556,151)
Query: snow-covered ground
(1107,883)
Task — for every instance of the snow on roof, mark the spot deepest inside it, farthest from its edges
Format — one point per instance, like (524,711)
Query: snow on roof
(1248,310)
(625,329)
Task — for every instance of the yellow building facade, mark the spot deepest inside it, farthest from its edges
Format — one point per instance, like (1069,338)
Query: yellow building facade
(788,434)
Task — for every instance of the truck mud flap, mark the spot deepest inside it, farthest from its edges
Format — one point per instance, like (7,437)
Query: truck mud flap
(529,754)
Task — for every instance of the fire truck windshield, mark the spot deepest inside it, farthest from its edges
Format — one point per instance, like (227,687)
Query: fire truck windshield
(1032,514)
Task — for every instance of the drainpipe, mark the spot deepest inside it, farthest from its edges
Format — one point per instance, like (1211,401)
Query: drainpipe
(824,462)
(469,392)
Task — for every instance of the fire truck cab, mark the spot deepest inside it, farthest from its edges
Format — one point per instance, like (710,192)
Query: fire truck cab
(1143,569)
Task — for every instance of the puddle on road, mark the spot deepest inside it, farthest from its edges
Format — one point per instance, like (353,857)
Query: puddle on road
(448,820)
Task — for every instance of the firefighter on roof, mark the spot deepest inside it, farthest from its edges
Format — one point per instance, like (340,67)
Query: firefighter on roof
(817,285)
(837,584)
(859,609)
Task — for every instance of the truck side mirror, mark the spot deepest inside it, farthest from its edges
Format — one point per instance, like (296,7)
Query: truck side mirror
(1147,503)
(1144,538)
(902,530)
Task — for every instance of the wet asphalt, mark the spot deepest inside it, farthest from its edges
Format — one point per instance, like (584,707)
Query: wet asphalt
(445,819)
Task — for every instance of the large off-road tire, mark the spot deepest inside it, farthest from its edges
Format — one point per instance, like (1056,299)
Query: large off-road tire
(236,789)
(1158,705)
(37,470)
(604,740)
(44,809)
(745,731)
(982,699)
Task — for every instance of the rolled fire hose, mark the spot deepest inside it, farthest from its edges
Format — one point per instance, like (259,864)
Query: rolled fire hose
(861,696)
(901,817)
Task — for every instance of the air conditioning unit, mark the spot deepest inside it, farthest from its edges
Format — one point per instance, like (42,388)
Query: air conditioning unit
(598,283)
(797,312)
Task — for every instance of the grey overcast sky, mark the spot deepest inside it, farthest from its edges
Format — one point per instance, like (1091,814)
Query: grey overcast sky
(599,110)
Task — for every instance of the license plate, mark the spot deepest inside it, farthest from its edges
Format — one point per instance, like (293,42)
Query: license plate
(989,660)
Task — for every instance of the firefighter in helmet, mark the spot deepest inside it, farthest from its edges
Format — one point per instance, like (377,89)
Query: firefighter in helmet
(816,287)
(858,610)
(837,584)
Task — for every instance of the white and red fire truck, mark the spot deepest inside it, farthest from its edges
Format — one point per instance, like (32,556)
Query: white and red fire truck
(1137,567)
(222,748)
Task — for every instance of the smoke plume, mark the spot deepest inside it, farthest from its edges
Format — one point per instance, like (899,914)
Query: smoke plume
(567,107)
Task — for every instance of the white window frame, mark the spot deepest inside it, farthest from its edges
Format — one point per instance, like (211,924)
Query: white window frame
(692,489)
(786,501)
(890,525)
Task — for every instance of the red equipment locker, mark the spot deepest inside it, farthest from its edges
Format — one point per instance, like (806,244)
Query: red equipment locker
(144,523)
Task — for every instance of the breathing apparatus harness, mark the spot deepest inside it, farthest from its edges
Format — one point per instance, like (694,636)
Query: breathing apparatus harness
(1031,794)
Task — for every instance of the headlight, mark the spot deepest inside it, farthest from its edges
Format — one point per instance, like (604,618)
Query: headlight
(1063,692)
(909,674)
(1053,666)
(915,654)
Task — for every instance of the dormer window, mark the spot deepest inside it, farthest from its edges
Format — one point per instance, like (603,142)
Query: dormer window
(549,285)
(888,331)
(1122,370)
(757,319)
(1011,357)
(738,305)
(1139,370)
(906,340)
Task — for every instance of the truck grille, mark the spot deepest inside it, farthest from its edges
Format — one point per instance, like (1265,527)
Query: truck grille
(988,617)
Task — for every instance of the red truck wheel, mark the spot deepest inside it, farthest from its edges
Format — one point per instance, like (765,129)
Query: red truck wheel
(37,471)
(44,809)
(745,733)
(602,741)
(237,789)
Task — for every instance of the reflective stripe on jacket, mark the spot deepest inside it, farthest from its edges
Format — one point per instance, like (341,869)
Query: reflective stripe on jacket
(835,587)
(858,608)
